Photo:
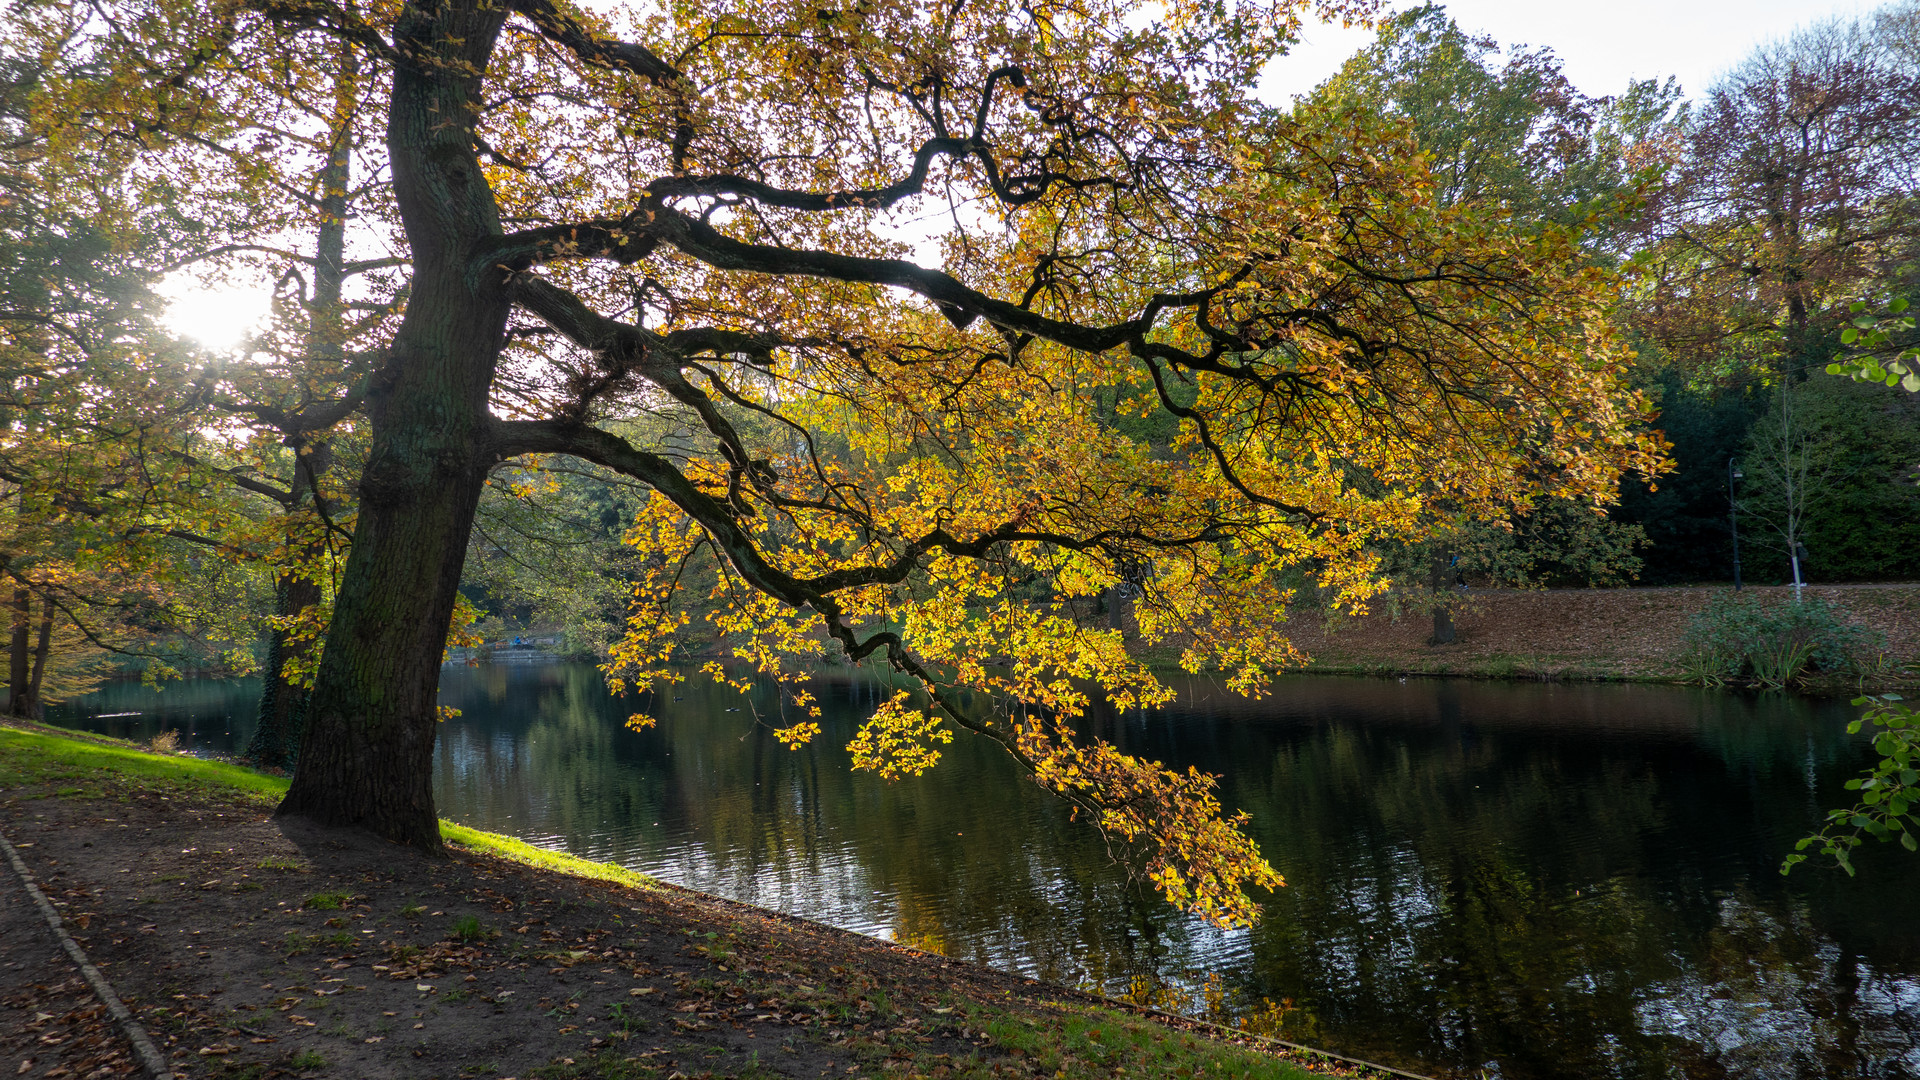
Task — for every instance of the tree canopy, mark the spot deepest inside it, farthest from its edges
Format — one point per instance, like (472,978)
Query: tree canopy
(923,327)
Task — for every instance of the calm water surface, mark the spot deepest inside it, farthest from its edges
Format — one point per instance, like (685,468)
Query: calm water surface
(1530,880)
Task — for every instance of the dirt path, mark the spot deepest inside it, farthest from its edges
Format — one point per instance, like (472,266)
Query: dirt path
(51,1025)
(254,948)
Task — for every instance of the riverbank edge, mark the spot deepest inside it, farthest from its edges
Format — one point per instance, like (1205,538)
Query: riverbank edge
(1219,1050)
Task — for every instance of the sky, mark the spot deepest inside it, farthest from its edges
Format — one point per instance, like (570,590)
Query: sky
(1603,44)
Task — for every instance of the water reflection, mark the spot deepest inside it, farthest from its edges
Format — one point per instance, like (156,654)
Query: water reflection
(1533,880)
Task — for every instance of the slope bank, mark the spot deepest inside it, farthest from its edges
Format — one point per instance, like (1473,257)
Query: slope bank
(1634,634)
(255,948)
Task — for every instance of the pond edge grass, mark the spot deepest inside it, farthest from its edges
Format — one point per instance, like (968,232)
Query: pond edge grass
(84,750)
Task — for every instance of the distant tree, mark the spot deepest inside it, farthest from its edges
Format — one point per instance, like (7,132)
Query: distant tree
(1793,189)
(1506,126)
(1684,514)
(1507,129)
(97,536)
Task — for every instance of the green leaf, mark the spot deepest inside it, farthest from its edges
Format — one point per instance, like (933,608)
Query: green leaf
(1899,305)
(1907,841)
(1849,336)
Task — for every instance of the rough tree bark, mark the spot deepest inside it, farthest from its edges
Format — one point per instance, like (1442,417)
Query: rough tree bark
(367,755)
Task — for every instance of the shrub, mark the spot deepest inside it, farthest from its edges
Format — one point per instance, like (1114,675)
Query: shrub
(1738,637)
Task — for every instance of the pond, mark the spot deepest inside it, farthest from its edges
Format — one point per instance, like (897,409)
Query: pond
(1530,880)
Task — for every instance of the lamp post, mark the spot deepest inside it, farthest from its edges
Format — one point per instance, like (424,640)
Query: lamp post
(1734,476)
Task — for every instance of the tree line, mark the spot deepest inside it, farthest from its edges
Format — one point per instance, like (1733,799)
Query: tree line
(995,345)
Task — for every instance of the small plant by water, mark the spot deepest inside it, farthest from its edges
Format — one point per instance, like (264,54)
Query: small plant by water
(1741,639)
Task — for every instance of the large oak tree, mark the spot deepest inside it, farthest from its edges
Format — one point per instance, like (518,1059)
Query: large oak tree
(926,326)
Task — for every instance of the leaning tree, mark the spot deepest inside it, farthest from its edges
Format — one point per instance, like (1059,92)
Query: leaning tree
(934,331)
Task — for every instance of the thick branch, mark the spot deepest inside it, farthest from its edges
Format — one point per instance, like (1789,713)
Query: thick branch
(620,55)
(633,236)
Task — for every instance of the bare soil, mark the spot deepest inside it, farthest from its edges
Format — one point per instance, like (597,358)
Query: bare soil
(252,947)
(1575,633)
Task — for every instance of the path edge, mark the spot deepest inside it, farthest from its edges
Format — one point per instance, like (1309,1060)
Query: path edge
(151,1060)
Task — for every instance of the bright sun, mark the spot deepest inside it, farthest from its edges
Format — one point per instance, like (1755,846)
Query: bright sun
(219,318)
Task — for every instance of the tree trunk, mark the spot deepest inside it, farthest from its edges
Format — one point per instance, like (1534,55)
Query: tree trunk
(367,756)
(19,652)
(1440,581)
(283,703)
(35,709)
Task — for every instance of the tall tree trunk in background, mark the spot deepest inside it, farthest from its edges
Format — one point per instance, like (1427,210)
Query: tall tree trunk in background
(19,673)
(367,756)
(281,722)
(283,702)
(1440,581)
(35,709)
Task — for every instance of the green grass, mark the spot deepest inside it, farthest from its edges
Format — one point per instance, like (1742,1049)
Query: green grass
(507,847)
(33,759)
(298,944)
(1097,1042)
(468,930)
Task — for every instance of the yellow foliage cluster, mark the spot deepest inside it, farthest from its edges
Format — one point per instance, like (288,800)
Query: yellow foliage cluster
(897,741)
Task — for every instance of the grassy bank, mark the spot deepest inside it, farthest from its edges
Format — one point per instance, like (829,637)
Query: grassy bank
(255,948)
(72,767)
